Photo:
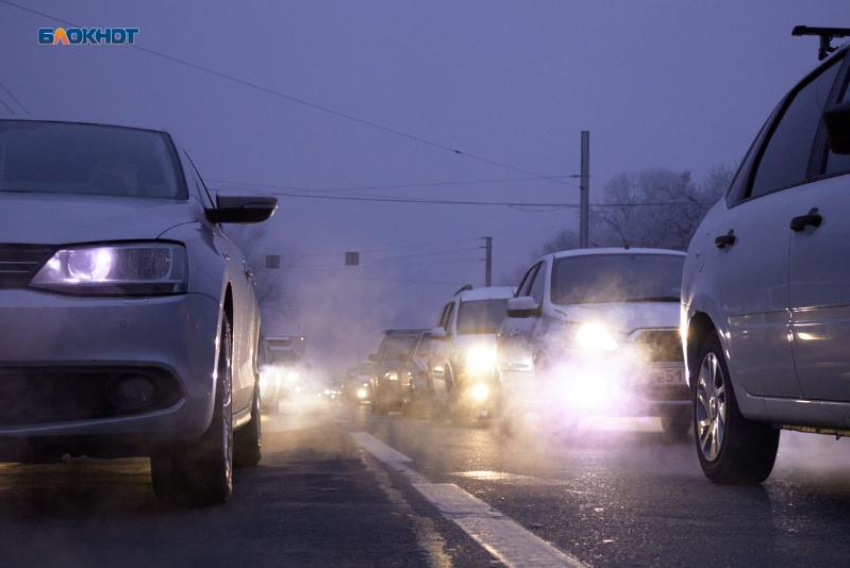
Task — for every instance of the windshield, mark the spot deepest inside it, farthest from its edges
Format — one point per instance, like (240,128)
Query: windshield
(85,159)
(480,316)
(617,278)
(395,345)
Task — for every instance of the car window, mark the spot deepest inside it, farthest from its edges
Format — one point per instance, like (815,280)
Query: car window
(537,286)
(837,163)
(599,278)
(784,160)
(480,316)
(395,345)
(87,159)
(525,284)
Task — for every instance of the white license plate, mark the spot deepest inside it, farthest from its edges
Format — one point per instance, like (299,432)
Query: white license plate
(667,376)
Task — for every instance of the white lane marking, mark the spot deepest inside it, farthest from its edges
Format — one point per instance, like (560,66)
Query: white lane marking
(501,536)
(507,478)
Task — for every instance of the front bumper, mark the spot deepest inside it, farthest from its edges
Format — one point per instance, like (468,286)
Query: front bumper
(50,340)
(608,386)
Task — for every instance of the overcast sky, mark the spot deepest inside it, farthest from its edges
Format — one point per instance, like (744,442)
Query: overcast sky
(676,84)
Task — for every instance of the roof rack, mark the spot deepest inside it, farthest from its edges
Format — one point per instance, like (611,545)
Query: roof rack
(463,288)
(826,36)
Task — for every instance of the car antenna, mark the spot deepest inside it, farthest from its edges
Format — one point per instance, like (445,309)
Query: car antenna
(826,36)
(463,288)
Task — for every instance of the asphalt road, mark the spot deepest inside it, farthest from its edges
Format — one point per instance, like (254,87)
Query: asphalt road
(618,494)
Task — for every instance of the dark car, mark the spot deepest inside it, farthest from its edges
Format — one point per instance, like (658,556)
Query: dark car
(354,388)
(394,365)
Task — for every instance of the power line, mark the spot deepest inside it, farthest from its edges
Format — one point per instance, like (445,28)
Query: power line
(388,186)
(512,204)
(14,98)
(384,249)
(309,104)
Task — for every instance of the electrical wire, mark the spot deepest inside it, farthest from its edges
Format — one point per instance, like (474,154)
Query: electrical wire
(309,104)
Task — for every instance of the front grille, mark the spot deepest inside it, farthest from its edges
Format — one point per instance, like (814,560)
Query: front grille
(661,345)
(32,396)
(19,263)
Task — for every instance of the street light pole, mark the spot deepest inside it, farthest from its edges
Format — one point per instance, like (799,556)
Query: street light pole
(488,260)
(584,222)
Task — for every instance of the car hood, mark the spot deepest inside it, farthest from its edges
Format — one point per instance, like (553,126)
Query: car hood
(474,340)
(626,316)
(52,219)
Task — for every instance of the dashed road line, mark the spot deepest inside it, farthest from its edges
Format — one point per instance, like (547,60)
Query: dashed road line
(500,535)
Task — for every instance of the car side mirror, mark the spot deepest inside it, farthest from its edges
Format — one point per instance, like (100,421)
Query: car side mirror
(523,307)
(438,333)
(373,357)
(837,122)
(242,209)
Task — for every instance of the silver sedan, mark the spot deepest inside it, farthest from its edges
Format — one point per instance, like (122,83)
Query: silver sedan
(129,323)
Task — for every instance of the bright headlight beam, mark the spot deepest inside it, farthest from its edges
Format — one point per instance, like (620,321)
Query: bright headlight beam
(594,336)
(480,359)
(479,392)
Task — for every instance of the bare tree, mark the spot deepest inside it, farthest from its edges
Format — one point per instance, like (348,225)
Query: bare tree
(655,208)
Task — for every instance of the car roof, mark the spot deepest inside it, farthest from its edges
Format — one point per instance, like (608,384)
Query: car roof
(487,293)
(613,250)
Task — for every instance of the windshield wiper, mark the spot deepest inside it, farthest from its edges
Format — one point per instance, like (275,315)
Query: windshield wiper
(655,299)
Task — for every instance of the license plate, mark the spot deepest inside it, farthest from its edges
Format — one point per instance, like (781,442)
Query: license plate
(667,376)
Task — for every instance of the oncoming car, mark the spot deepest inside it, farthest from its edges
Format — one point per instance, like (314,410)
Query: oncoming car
(596,332)
(393,365)
(131,327)
(766,287)
(463,373)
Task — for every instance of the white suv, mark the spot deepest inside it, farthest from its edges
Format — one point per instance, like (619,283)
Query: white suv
(766,288)
(596,332)
(463,373)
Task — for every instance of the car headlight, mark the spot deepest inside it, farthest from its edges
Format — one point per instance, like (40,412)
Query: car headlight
(594,336)
(142,269)
(392,376)
(362,393)
(479,392)
(481,359)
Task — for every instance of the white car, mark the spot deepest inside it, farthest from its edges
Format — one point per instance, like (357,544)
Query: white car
(129,321)
(463,351)
(766,287)
(596,332)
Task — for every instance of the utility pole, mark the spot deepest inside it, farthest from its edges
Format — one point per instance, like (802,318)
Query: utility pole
(584,221)
(488,260)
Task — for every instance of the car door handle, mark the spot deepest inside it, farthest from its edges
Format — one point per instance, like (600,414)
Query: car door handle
(813,219)
(725,241)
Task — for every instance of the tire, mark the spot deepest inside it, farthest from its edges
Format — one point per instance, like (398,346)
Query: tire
(734,451)
(248,440)
(677,427)
(200,472)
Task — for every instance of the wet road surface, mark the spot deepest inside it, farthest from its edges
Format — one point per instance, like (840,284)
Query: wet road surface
(617,494)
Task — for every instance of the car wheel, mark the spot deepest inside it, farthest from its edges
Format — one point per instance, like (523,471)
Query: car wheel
(201,472)
(731,449)
(248,440)
(677,427)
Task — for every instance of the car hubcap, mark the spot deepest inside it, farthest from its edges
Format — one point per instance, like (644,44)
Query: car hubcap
(711,407)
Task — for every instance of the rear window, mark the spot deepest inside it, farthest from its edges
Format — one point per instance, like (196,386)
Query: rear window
(85,159)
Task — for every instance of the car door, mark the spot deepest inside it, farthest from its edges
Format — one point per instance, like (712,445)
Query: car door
(514,342)
(819,273)
(752,246)
(440,354)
